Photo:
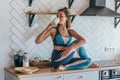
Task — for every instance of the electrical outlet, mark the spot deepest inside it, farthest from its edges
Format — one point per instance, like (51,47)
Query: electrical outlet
(109,49)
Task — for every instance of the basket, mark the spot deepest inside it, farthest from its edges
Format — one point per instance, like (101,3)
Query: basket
(41,64)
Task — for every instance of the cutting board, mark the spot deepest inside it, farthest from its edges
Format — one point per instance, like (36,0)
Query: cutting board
(26,70)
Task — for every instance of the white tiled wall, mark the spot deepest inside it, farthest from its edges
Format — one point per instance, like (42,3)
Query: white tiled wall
(99,32)
(23,37)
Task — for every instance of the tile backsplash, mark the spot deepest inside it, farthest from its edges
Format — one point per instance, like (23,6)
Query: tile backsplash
(99,33)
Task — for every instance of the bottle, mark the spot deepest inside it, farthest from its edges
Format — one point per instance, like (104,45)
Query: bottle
(16,59)
(20,61)
(55,21)
(26,60)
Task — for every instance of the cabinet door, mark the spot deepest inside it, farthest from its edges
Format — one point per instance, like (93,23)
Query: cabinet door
(10,76)
(74,76)
(50,77)
(92,75)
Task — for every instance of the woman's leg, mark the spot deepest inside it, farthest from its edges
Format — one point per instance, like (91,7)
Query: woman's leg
(82,53)
(69,62)
(56,55)
(75,63)
(78,63)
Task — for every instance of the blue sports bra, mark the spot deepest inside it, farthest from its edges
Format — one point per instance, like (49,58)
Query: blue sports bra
(58,39)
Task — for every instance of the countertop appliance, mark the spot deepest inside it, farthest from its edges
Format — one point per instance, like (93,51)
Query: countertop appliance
(109,74)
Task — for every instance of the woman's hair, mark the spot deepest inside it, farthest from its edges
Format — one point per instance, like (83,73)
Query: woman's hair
(66,11)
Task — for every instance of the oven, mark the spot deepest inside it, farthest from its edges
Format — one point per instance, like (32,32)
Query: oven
(112,74)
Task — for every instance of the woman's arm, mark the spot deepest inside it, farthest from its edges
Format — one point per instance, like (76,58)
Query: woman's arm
(80,42)
(42,36)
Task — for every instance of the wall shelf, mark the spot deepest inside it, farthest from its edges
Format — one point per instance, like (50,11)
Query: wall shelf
(32,15)
(30,2)
(117,19)
(70,2)
(52,13)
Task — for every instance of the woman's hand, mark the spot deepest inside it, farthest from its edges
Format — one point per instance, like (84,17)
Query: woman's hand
(67,51)
(49,26)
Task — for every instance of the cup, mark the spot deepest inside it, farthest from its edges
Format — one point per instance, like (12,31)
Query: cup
(55,21)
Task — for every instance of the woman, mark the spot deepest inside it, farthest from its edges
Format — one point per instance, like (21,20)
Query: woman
(64,48)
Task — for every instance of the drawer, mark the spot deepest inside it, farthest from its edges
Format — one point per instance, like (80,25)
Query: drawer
(92,75)
(50,77)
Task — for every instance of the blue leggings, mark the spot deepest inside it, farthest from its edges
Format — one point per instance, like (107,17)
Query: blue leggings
(73,63)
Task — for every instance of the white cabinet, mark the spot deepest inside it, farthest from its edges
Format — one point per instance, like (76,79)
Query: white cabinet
(81,75)
(73,76)
(50,77)
(91,75)
(10,76)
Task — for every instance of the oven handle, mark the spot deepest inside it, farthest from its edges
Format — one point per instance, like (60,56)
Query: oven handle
(114,79)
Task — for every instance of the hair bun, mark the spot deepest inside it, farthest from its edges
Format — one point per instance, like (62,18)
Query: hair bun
(65,8)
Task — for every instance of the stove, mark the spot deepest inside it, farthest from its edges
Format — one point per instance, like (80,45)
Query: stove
(109,74)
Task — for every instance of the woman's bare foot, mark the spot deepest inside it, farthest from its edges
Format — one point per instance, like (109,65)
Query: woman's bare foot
(61,68)
(94,65)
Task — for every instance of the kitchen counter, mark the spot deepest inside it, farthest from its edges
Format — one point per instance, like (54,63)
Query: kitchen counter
(51,71)
(46,71)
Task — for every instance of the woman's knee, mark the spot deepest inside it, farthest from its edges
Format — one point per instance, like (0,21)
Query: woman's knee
(82,52)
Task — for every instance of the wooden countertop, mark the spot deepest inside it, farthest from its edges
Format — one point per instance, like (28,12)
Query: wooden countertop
(51,71)
(45,71)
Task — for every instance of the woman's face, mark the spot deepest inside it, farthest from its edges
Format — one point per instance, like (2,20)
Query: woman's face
(61,15)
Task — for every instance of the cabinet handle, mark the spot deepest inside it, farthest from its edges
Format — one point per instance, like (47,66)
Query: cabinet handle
(80,77)
(59,77)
